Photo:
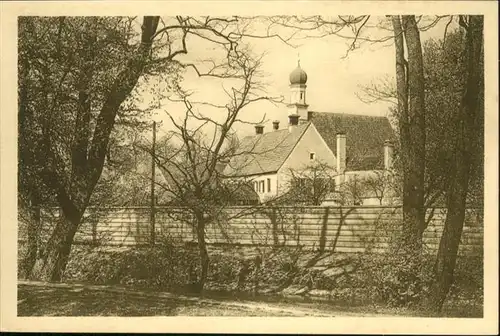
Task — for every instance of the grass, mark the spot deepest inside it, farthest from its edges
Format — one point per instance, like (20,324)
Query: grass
(47,300)
(38,299)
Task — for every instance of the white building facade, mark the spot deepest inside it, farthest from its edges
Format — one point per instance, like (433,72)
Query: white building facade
(354,147)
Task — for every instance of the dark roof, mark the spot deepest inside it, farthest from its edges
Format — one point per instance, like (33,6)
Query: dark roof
(365,136)
(264,153)
(298,76)
(243,193)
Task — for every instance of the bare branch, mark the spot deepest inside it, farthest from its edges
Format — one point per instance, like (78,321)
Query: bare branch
(446,30)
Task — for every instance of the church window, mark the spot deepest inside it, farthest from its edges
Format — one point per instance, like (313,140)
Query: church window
(312,156)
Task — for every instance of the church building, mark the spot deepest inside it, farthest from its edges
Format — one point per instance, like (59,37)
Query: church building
(350,146)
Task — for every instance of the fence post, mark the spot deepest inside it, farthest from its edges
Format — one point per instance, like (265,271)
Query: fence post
(274,228)
(324,226)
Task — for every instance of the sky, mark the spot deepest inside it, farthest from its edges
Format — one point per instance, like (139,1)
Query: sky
(334,79)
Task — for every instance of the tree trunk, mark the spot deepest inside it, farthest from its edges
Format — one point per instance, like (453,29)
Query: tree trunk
(465,125)
(411,119)
(29,258)
(411,113)
(54,257)
(25,165)
(202,248)
(414,186)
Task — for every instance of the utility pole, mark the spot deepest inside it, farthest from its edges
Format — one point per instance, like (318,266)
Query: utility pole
(152,209)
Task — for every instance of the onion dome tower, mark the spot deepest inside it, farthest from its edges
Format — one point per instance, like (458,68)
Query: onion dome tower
(298,76)
(297,104)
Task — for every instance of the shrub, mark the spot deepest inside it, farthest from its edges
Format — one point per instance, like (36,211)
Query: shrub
(468,284)
(165,266)
(223,271)
(277,265)
(388,279)
(398,280)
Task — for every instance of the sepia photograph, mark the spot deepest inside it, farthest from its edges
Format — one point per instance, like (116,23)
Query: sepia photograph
(324,165)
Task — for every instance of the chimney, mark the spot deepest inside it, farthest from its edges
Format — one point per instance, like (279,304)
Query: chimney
(276,125)
(341,152)
(259,129)
(293,121)
(309,115)
(388,154)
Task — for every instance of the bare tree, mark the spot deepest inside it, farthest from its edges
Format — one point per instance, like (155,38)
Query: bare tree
(352,191)
(312,184)
(382,184)
(317,183)
(200,147)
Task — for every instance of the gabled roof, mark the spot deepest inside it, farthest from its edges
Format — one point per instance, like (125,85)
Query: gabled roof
(175,178)
(264,153)
(365,136)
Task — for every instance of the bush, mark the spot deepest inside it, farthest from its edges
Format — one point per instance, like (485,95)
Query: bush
(223,271)
(165,266)
(467,288)
(277,266)
(251,268)
(398,280)
(388,279)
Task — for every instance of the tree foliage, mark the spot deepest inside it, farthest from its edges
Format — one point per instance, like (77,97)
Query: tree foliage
(465,138)
(445,77)
(69,96)
(79,78)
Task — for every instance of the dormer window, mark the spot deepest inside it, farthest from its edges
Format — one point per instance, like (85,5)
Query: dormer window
(312,156)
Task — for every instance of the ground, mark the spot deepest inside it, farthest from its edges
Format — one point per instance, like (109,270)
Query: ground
(133,283)
(43,299)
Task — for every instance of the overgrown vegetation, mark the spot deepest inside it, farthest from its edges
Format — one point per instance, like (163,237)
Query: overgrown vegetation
(345,280)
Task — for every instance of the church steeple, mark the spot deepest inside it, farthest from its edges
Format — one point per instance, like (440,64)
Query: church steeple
(298,105)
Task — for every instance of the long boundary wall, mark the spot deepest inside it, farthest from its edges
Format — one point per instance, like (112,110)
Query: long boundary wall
(343,229)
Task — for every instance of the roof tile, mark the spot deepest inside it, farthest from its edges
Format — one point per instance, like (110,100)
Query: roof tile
(264,153)
(365,136)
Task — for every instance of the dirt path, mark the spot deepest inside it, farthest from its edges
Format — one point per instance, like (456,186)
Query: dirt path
(47,299)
